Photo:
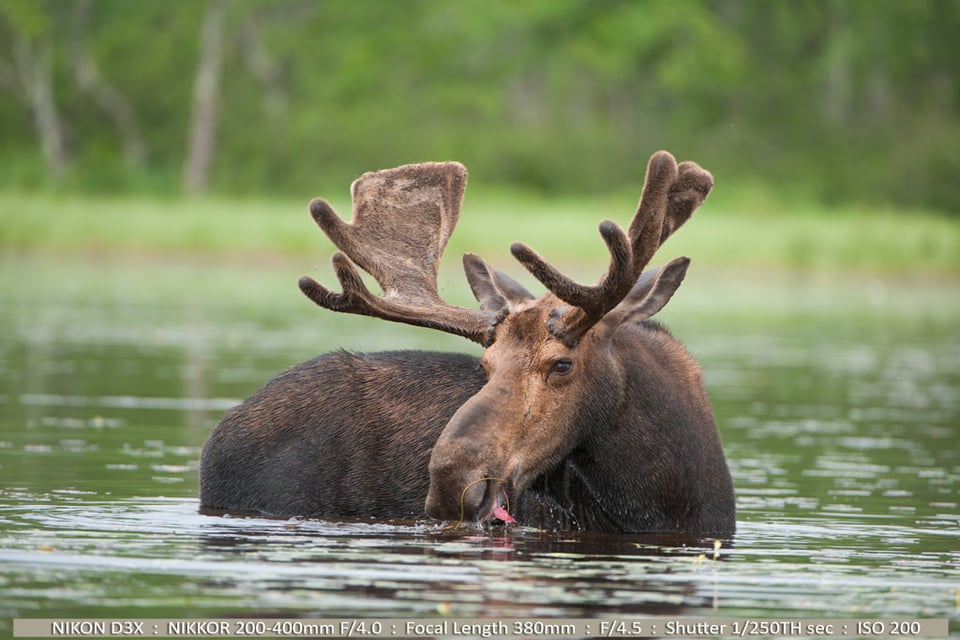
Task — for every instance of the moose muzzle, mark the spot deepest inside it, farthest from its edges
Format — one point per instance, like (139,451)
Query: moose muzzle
(466,472)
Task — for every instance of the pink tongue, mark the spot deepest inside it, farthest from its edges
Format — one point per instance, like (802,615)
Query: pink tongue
(502,514)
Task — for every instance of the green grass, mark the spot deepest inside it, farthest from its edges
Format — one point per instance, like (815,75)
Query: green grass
(736,231)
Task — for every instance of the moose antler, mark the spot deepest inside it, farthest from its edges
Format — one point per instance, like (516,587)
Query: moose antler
(671,193)
(402,219)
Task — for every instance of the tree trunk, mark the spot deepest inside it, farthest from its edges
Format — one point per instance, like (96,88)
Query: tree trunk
(206,100)
(837,96)
(35,69)
(106,97)
(266,69)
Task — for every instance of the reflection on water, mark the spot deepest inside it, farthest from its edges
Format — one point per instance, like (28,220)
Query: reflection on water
(76,555)
(345,568)
(840,420)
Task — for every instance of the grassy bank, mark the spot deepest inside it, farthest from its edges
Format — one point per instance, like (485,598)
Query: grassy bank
(731,232)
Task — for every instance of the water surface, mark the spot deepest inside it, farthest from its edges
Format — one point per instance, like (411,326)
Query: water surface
(838,403)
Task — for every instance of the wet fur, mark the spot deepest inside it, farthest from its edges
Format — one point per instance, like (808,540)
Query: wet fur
(351,435)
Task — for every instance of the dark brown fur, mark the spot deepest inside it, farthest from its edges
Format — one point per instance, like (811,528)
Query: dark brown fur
(352,434)
(341,435)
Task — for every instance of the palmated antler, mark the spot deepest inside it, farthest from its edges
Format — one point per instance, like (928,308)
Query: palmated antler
(402,219)
(671,193)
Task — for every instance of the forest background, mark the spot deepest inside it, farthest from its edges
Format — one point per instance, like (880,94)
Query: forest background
(823,108)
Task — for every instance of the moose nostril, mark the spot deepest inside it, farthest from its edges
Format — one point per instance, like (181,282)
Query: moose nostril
(472,497)
(457,502)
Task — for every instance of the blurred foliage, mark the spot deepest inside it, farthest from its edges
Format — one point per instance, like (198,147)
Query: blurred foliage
(855,102)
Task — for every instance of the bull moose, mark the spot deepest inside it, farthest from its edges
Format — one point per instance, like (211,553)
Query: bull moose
(581,413)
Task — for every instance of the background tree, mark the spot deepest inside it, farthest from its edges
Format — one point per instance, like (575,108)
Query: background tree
(30,74)
(106,98)
(202,140)
(855,101)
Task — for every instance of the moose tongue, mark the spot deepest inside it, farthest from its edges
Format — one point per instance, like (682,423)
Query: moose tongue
(502,514)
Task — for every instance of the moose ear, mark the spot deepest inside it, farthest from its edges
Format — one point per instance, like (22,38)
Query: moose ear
(650,294)
(493,289)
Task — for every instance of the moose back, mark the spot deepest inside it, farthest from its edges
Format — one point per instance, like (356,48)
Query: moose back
(581,413)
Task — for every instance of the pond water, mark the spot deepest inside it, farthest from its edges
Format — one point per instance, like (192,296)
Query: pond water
(838,403)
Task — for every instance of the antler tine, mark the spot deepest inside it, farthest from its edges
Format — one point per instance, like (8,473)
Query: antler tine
(670,195)
(691,187)
(358,299)
(402,219)
(646,228)
(595,300)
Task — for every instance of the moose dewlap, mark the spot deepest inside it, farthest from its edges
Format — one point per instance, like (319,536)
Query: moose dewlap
(581,413)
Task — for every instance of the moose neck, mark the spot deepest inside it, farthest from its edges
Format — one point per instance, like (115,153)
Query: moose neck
(652,444)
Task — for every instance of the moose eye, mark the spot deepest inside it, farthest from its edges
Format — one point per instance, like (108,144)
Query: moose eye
(561,367)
